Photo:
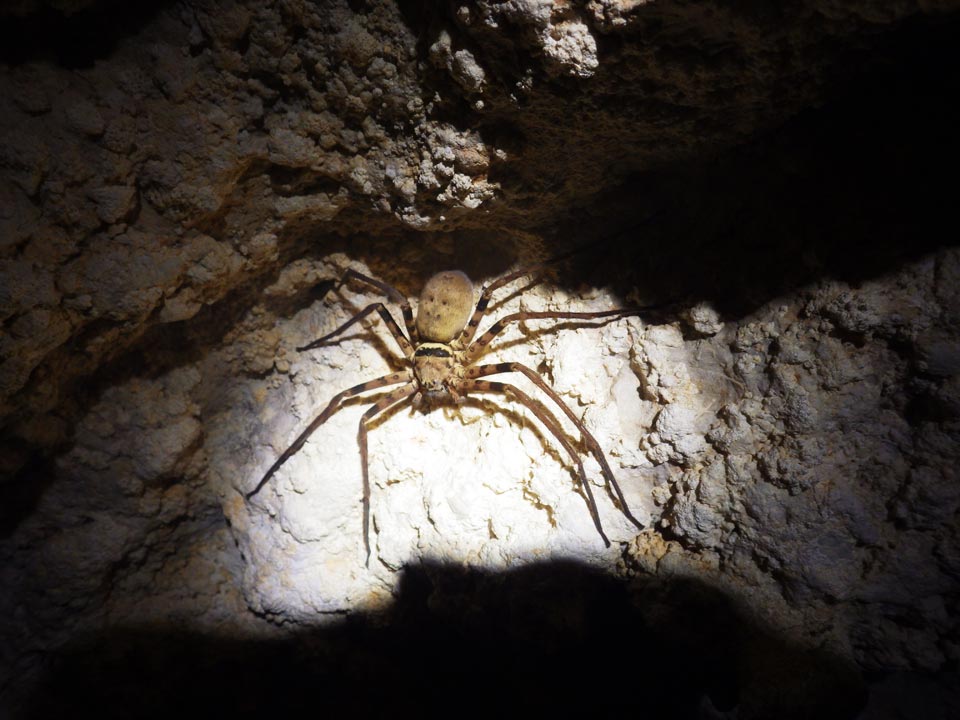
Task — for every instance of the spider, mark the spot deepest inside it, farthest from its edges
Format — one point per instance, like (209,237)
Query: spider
(440,353)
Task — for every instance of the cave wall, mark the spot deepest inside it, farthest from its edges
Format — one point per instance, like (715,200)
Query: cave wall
(182,184)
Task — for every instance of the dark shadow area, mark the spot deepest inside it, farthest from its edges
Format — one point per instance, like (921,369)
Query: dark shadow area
(552,640)
(20,494)
(905,695)
(73,40)
(849,190)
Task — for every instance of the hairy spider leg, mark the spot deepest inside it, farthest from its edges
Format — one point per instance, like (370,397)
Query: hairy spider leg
(395,330)
(467,386)
(594,447)
(477,347)
(328,411)
(391,399)
(392,293)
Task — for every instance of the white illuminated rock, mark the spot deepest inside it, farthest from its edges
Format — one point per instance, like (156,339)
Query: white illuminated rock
(486,484)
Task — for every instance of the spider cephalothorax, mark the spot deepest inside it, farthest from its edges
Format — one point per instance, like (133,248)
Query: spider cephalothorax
(440,352)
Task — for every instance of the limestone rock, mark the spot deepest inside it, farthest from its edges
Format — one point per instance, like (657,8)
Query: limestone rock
(761,186)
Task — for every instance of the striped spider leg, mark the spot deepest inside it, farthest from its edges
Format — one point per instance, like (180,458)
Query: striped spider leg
(395,397)
(476,348)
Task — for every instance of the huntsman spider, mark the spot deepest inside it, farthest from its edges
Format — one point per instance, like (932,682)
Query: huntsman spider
(440,353)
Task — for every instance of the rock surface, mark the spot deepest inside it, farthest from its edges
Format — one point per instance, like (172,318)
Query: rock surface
(180,194)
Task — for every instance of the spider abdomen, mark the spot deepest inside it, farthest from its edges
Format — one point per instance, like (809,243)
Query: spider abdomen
(445,306)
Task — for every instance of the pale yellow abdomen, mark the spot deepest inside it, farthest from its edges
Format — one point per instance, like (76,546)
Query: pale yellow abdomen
(445,306)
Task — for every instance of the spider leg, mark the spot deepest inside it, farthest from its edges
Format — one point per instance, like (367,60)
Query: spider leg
(477,347)
(485,295)
(467,386)
(391,292)
(320,419)
(396,397)
(398,335)
(534,377)
(484,300)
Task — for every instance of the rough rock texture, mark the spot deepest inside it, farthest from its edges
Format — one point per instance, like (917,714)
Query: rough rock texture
(182,184)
